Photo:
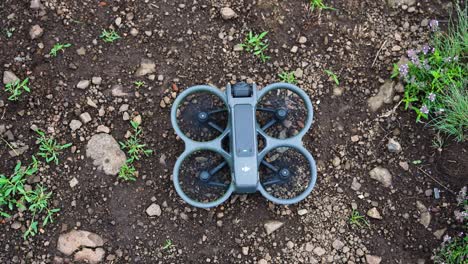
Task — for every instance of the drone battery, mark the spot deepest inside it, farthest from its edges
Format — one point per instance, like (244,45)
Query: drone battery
(245,130)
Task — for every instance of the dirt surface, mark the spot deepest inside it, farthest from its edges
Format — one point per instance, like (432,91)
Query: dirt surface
(190,43)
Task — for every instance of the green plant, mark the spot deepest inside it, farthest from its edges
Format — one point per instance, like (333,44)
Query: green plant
(127,172)
(288,77)
(167,244)
(435,77)
(139,84)
(16,89)
(133,145)
(49,148)
(9,32)
(58,47)
(358,219)
(453,250)
(318,4)
(256,44)
(333,76)
(109,36)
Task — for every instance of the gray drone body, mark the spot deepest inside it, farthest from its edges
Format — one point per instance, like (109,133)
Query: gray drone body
(243,160)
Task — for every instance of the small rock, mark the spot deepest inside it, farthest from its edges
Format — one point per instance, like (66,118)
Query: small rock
(245,251)
(337,244)
(134,32)
(385,95)
(396,48)
(36,32)
(399,88)
(238,47)
(302,40)
(73,240)
(96,80)
(355,138)
(9,77)
(73,182)
(262,261)
(374,213)
(16,225)
(425,215)
(319,251)
(117,91)
(302,212)
(309,247)
(439,233)
(299,73)
(137,119)
(146,67)
(35,4)
(272,226)
(153,210)
(373,259)
(294,49)
(355,185)
(404,165)
(83,84)
(88,255)
(106,153)
(75,124)
(336,161)
(81,51)
(393,146)
(103,129)
(91,103)
(227,13)
(118,21)
(382,175)
(85,117)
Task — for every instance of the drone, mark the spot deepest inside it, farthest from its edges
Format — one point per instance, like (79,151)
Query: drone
(243,140)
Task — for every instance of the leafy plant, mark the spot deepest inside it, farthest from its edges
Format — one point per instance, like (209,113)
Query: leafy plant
(139,84)
(109,36)
(436,76)
(38,202)
(358,219)
(49,148)
(288,77)
(167,244)
(318,4)
(58,47)
(133,145)
(333,76)
(453,250)
(9,32)
(127,172)
(256,44)
(16,88)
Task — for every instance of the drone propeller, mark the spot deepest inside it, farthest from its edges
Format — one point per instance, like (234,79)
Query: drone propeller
(204,176)
(202,116)
(285,173)
(281,113)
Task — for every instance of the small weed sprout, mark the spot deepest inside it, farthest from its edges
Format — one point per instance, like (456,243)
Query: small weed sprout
(333,76)
(167,244)
(9,32)
(109,36)
(136,150)
(58,47)
(288,77)
(127,172)
(358,219)
(16,88)
(49,148)
(256,44)
(139,84)
(318,4)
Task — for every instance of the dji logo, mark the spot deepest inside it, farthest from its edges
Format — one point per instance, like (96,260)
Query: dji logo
(245,169)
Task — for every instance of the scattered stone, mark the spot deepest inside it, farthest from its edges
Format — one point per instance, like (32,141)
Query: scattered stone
(134,32)
(245,251)
(117,91)
(146,67)
(36,32)
(106,153)
(396,48)
(73,240)
(103,129)
(302,212)
(319,251)
(337,244)
(238,47)
(385,95)
(81,51)
(302,40)
(294,49)
(88,255)
(153,210)
(404,165)
(262,261)
(75,124)
(374,213)
(355,185)
(299,73)
(35,4)
(381,175)
(393,146)
(425,215)
(227,13)
(9,77)
(91,103)
(439,233)
(18,151)
(73,182)
(399,88)
(373,259)
(137,119)
(83,84)
(395,3)
(272,226)
(355,138)
(85,117)
(96,80)
(16,225)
